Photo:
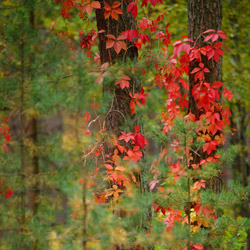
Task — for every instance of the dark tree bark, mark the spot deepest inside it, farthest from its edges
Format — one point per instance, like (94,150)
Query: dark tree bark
(114,27)
(120,107)
(204,15)
(240,117)
(119,110)
(22,146)
(34,136)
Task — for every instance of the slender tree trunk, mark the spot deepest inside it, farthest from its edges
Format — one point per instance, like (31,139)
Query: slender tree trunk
(120,107)
(34,194)
(204,15)
(119,110)
(34,135)
(240,119)
(22,149)
(35,169)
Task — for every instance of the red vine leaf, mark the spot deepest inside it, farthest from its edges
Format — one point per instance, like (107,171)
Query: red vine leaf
(114,10)
(130,34)
(132,107)
(217,84)
(8,193)
(133,8)
(124,82)
(110,44)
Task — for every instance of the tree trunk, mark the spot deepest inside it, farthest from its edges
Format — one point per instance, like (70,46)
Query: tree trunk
(240,116)
(204,15)
(119,109)
(34,136)
(22,147)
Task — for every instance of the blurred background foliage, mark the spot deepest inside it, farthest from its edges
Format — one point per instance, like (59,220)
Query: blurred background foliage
(44,76)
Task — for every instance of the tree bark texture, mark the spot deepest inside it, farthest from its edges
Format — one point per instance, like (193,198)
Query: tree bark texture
(119,109)
(120,106)
(22,147)
(34,135)
(240,117)
(204,15)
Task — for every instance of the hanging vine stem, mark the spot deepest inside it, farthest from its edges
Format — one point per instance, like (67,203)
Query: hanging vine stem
(109,52)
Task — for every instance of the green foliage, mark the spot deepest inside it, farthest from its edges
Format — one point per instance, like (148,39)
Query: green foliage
(45,78)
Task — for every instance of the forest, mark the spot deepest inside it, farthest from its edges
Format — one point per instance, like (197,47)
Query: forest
(124,125)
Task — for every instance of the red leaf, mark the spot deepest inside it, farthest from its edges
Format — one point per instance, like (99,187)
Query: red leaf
(127,78)
(52,24)
(198,246)
(120,38)
(118,11)
(202,162)
(104,66)
(96,5)
(120,168)
(140,140)
(217,45)
(130,34)
(215,37)
(6,148)
(121,148)
(114,15)
(208,31)
(153,2)
(228,94)
(144,38)
(132,107)
(152,184)
(117,47)
(8,193)
(137,129)
(108,166)
(217,85)
(210,53)
(6,119)
(110,44)
(88,8)
(124,82)
(123,45)
(116,5)
(210,146)
(106,13)
(111,37)
(107,8)
(126,137)
(195,70)
(133,8)
(184,84)
(208,37)
(99,80)
(222,34)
